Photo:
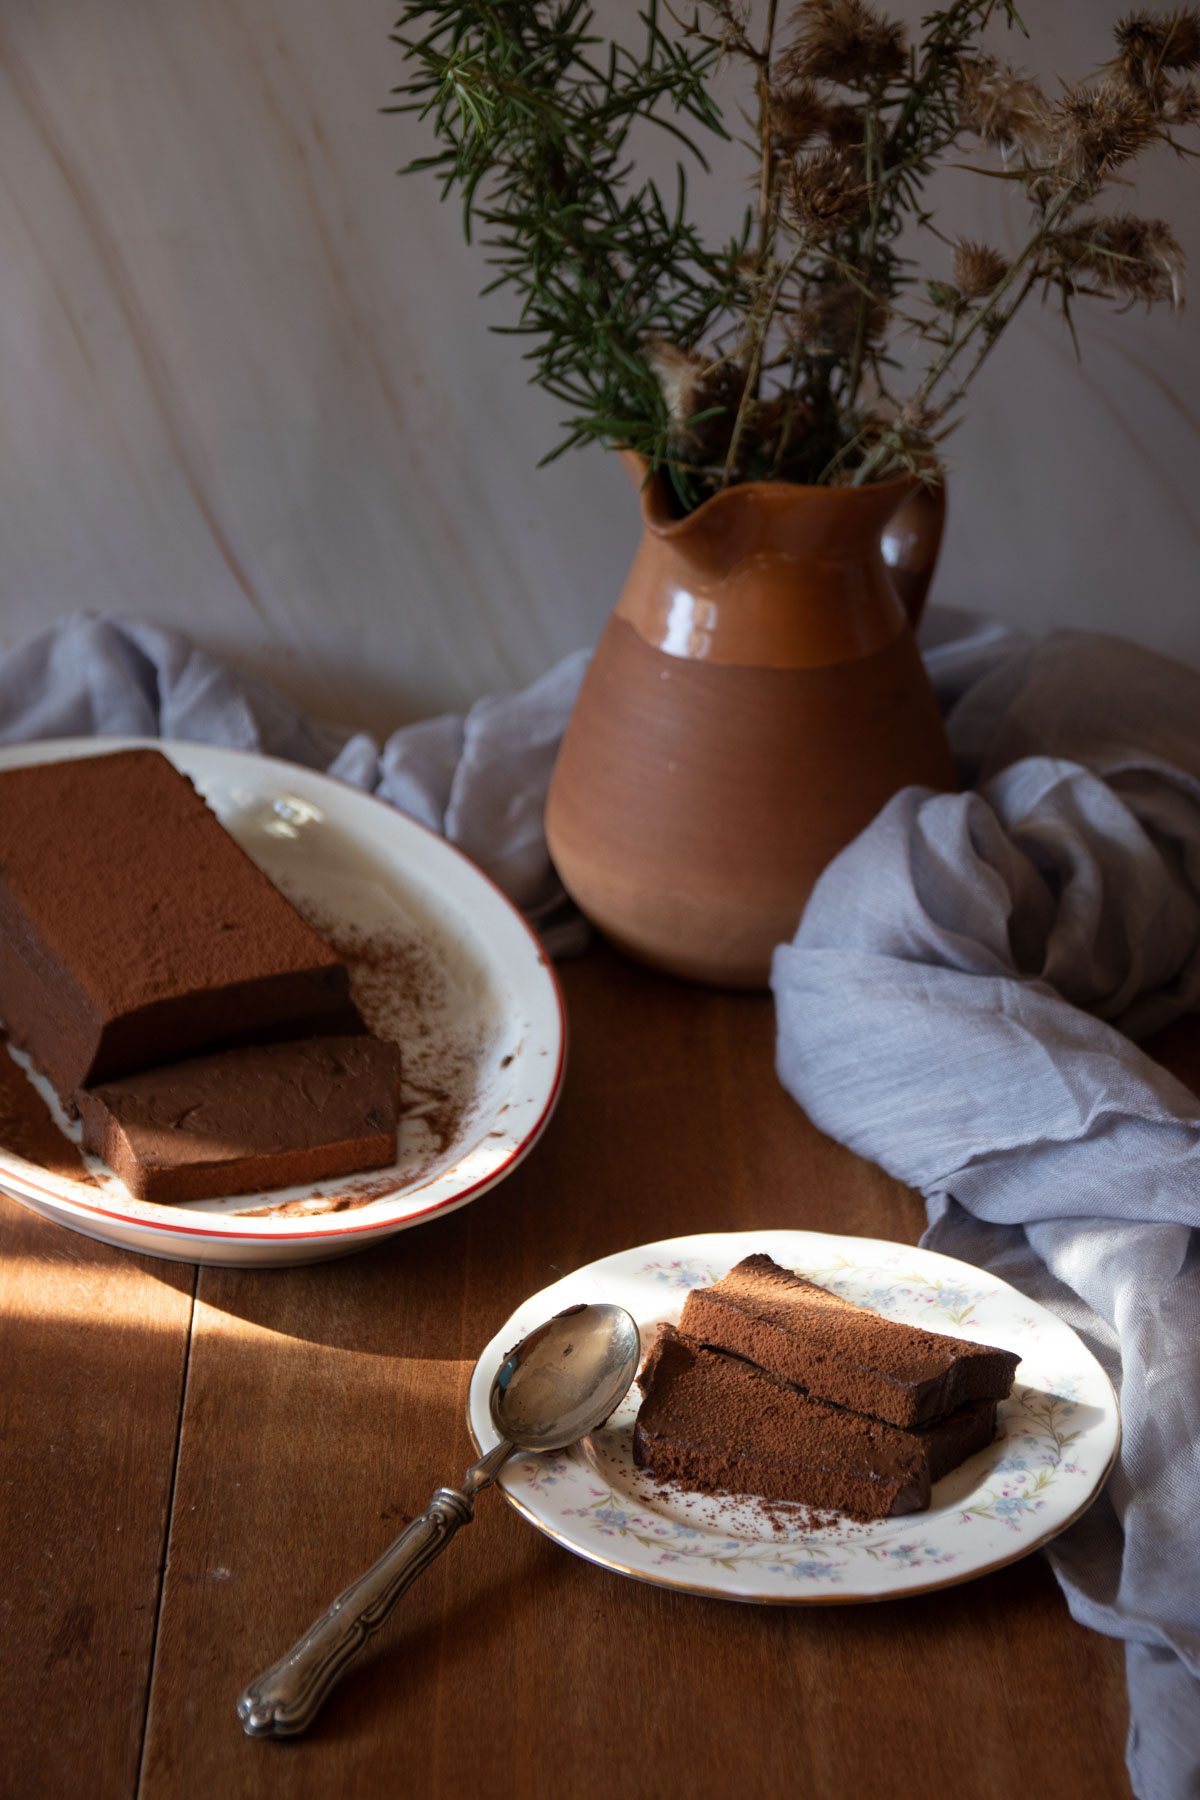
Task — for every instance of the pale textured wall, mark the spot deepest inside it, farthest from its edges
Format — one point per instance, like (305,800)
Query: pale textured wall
(246,386)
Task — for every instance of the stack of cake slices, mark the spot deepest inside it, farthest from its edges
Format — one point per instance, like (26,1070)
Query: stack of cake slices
(176,1000)
(774,1386)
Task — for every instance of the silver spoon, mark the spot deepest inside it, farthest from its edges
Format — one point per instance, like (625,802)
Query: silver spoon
(558,1384)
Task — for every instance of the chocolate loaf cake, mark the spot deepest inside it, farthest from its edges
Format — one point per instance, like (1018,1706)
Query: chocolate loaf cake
(263,1116)
(134,930)
(716,1423)
(840,1352)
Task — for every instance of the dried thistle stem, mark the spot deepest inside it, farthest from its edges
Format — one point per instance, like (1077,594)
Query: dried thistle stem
(767,186)
(874,185)
(875,458)
(990,342)
(761,325)
(766,178)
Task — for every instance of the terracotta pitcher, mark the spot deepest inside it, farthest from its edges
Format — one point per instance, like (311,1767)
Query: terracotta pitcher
(753,701)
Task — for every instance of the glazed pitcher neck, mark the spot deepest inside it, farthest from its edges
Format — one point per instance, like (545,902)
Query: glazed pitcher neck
(767,574)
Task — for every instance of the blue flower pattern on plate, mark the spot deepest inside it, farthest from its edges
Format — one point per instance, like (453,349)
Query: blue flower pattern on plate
(691,1274)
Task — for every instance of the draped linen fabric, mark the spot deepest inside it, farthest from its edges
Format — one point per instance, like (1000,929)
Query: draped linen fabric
(962,1002)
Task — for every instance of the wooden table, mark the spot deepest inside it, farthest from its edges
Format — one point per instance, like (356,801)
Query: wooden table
(196,1460)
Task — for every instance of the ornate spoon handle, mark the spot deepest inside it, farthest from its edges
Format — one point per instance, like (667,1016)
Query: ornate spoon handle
(286,1699)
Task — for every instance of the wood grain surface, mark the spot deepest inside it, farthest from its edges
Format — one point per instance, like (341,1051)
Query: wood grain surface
(292,1420)
(93,1347)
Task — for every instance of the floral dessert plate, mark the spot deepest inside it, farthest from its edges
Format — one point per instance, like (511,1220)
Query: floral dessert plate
(1056,1440)
(440,961)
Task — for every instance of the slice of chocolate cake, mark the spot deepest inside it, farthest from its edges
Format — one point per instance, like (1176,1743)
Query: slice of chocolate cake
(263,1116)
(717,1424)
(135,930)
(28,1128)
(840,1352)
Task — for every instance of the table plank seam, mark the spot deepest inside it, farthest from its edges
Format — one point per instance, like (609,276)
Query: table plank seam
(164,1548)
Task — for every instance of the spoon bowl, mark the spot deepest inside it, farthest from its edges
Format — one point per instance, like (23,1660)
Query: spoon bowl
(565,1378)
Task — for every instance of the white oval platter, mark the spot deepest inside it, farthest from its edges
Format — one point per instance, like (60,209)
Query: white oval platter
(440,961)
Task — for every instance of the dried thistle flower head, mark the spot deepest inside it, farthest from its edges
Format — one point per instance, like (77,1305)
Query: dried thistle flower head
(826,193)
(691,384)
(845,126)
(844,41)
(918,417)
(1149,44)
(827,321)
(734,17)
(905,433)
(978,269)
(682,375)
(1099,128)
(775,426)
(1138,259)
(944,295)
(797,115)
(1005,108)
(1180,104)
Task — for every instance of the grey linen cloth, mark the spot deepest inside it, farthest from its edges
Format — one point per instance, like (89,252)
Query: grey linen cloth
(960,1003)
(480,779)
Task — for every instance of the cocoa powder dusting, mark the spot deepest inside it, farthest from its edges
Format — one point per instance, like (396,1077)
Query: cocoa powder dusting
(348,1198)
(404,993)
